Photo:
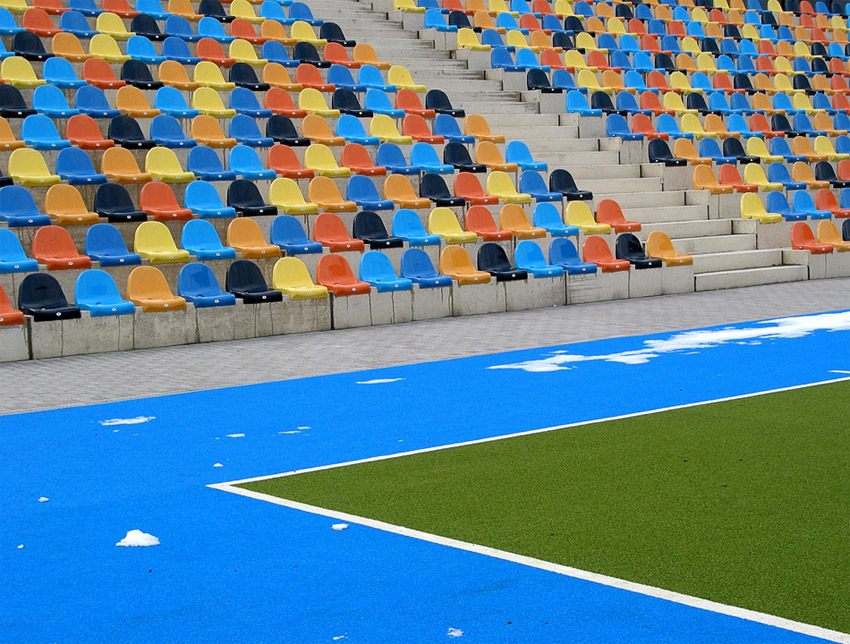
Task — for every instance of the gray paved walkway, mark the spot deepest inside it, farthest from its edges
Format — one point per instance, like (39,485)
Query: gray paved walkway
(81,380)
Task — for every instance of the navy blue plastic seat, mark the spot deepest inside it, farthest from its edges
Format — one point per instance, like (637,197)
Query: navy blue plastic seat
(332,32)
(244,101)
(562,252)
(281,129)
(547,216)
(141,48)
(845,230)
(437,100)
(533,183)
(200,238)
(12,103)
(50,101)
(97,293)
(166,131)
(92,101)
(244,75)
(446,126)
(493,259)
(136,73)
(628,247)
(659,152)
(203,199)
(197,284)
(369,227)
(17,208)
(214,9)
(346,102)
(170,100)
(418,268)
(175,48)
(390,156)
(145,25)
(362,191)
(245,162)
(59,72)
(537,79)
(41,296)
(378,102)
(408,226)
(29,46)
(457,155)
(602,101)
(244,196)
(377,269)
(205,163)
(562,181)
(735,149)
(780,123)
(113,202)
(39,132)
(425,156)
(529,257)
(75,167)
(13,259)
(126,132)
(105,244)
(244,129)
(245,280)
(433,187)
(306,52)
(288,233)
(825,172)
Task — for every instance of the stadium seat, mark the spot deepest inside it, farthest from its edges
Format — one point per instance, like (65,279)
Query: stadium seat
(278,101)
(828,233)
(39,133)
(197,283)
(13,259)
(288,233)
(457,264)
(9,316)
(12,103)
(131,101)
(658,245)
(424,156)
(398,188)
(154,242)
(281,130)
(323,192)
(334,273)
(95,291)
(369,227)
(203,199)
(530,258)
(802,203)
(158,200)
(407,225)
(532,183)
(377,270)
(91,101)
(206,165)
(330,231)
(28,168)
(517,152)
(446,126)
(390,156)
(501,185)
(469,187)
(104,244)
(53,246)
(563,253)
(493,259)
(456,155)
(628,247)
(291,277)
(438,101)
(170,101)
(66,207)
(113,202)
(488,153)
(433,187)
(547,217)
(18,72)
(444,222)
(317,130)
(579,214)
(244,196)
(126,132)
(416,266)
(207,131)
(826,200)
(59,72)
(562,181)
(166,131)
(609,212)
(206,100)
(321,161)
(513,218)
(41,297)
(200,238)
(163,165)
(595,249)
(28,45)
(245,236)
(357,160)
(803,239)
(753,208)
(148,288)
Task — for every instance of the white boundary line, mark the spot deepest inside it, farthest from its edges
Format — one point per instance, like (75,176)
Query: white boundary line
(614,582)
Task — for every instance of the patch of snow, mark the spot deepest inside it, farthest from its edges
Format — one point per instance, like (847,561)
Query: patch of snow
(126,421)
(339,526)
(455,632)
(137,538)
(838,371)
(305,427)
(294,431)
(43,499)
(236,435)
(21,547)
(218,465)
(379,381)
(339,637)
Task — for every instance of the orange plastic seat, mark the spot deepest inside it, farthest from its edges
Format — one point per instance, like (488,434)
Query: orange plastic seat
(684,149)
(409,101)
(336,54)
(68,46)
(99,73)
(826,200)
(84,132)
(158,200)
(469,187)
(801,171)
(309,76)
(415,127)
(828,233)
(131,101)
(729,176)
(330,231)
(356,158)
(480,221)
(279,101)
(241,28)
(283,160)
(642,124)
(206,130)
(148,288)
(55,7)
(365,55)
(658,245)
(119,165)
(513,218)
(7,137)
(596,251)
(477,126)
(183,8)
(273,30)
(120,8)
(715,126)
(803,239)
(245,236)
(487,153)
(398,188)
(609,212)
(174,74)
(66,207)
(276,75)
(334,272)
(704,179)
(38,22)
(650,101)
(53,246)
(211,51)
(457,264)
(316,129)
(323,192)
(9,316)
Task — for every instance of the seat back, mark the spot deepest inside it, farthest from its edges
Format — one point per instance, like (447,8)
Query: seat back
(334,270)
(153,236)
(244,232)
(369,225)
(513,217)
(398,188)
(376,266)
(328,227)
(492,257)
(148,283)
(62,199)
(94,286)
(406,223)
(53,242)
(40,291)
(286,229)
(443,222)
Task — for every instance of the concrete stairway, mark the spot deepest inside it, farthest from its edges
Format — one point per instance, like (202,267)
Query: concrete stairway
(722,259)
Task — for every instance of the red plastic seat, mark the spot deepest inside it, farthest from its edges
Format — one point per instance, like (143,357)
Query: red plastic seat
(158,200)
(55,7)
(52,245)
(356,158)
(84,132)
(469,187)
(279,101)
(480,221)
(241,28)
(282,159)
(803,239)
(826,200)
(408,100)
(650,101)
(99,73)
(758,123)
(334,272)
(330,231)
(209,49)
(120,8)
(38,22)
(596,251)
(336,54)
(415,126)
(8,316)
(642,124)
(729,176)
(309,76)
(609,212)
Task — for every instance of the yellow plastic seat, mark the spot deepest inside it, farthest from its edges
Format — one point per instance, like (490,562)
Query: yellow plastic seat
(689,46)
(408,6)
(658,245)
(615,26)
(303,31)
(243,52)
(495,7)
(66,207)
(698,15)
(207,131)
(148,288)
(578,213)
(291,277)
(477,126)
(823,146)
(754,174)
(130,100)
(111,25)
(704,179)
(243,9)
(756,147)
(828,233)
(15,6)
(209,74)
(153,240)
(587,42)
(673,101)
(385,129)
(752,207)
(104,46)
(208,101)
(66,45)
(457,264)
(313,102)
(691,125)
(163,164)
(28,168)
(174,74)
(588,80)
(321,161)
(573,60)
(443,222)
(398,188)
(119,165)
(401,78)
(680,82)
(276,75)
(500,185)
(563,8)
(802,102)
(316,129)
(684,149)
(183,8)
(323,192)
(517,40)
(489,154)
(364,53)
(18,71)
(245,236)
(513,218)
(7,137)
(782,84)
(468,39)
(286,195)
(705,63)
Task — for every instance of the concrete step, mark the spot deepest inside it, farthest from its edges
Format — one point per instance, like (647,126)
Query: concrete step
(681,229)
(745,259)
(507,121)
(750,277)
(629,200)
(715,244)
(665,214)
(550,148)
(581,174)
(637,185)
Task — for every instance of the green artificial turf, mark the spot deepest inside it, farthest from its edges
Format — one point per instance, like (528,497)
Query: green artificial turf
(743,502)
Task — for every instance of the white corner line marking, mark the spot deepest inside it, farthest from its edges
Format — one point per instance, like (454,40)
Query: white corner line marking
(605,580)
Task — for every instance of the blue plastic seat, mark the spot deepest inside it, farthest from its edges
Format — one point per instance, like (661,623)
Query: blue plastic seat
(527,59)
(546,216)
(288,233)
(627,102)
(709,148)
(417,267)
(59,72)
(531,182)
(141,49)
(170,100)
(529,257)
(778,173)
(203,199)
(244,161)
(175,48)
(376,268)
(180,27)
(340,76)
(518,152)
(272,10)
(196,283)
(13,259)
(8,26)
(17,208)
(776,202)
(425,156)
(802,124)
(275,52)
(378,101)
(92,101)
(105,244)
(408,226)
(370,76)
(667,124)
(780,147)
(96,292)
(200,238)
(209,27)
(244,129)
(562,79)
(152,8)
(166,131)
(501,58)
(50,101)
(351,129)
(392,158)
(802,203)
(39,132)
(434,19)
(576,103)
(447,127)
(205,163)
(75,166)
(74,22)
(300,11)
(363,192)
(244,101)
(562,252)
